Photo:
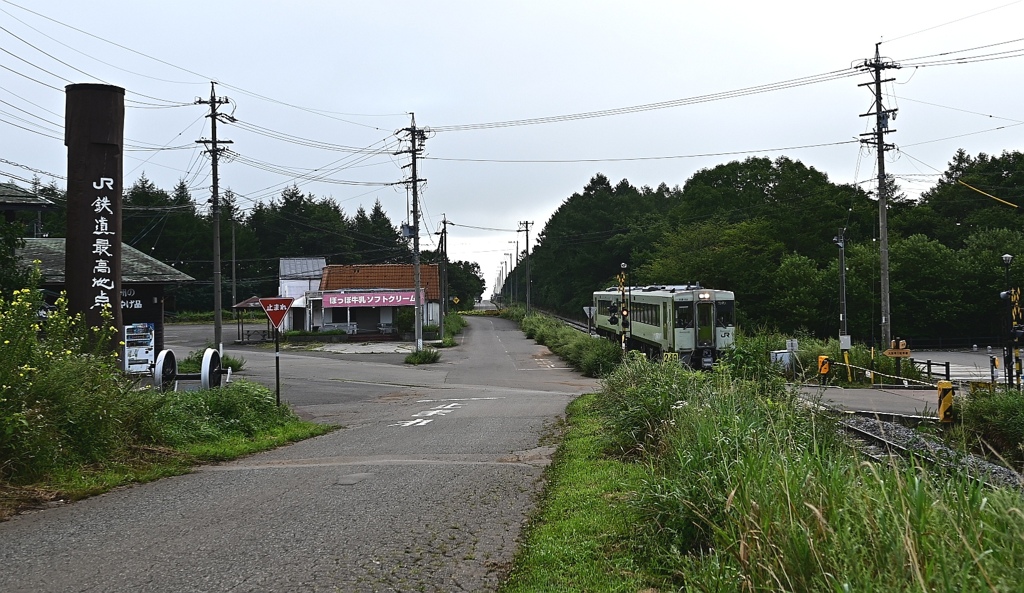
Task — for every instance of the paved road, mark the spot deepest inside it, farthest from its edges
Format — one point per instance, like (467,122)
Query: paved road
(964,367)
(424,489)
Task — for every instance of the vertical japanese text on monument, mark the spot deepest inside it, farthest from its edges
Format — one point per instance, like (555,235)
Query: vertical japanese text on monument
(102,234)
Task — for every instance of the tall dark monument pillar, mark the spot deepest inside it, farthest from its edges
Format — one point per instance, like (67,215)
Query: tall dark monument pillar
(94,135)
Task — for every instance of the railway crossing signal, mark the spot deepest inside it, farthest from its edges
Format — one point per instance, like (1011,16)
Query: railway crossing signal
(625,318)
(613,309)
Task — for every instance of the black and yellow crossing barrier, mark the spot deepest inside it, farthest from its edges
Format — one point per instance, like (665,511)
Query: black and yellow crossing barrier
(946,392)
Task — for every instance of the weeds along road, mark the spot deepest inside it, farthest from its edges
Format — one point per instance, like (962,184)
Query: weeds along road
(425,488)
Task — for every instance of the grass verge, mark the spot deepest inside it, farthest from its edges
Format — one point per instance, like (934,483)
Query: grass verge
(143,464)
(581,539)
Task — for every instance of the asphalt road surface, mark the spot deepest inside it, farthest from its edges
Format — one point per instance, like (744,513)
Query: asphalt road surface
(425,488)
(919,399)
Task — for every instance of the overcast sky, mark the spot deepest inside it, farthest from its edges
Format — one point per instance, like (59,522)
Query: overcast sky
(307,79)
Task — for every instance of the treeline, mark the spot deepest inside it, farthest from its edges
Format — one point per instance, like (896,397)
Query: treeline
(767,230)
(173,228)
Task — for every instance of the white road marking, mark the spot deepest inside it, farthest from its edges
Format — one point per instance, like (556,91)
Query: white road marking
(418,422)
(456,399)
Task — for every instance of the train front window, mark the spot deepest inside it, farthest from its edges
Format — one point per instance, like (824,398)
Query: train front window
(684,314)
(725,313)
(705,324)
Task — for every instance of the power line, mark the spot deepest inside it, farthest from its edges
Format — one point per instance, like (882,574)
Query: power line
(642,158)
(776,86)
(32,169)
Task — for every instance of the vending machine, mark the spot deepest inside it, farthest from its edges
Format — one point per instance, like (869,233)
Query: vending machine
(139,347)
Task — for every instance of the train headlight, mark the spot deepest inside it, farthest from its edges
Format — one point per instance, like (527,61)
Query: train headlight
(704,296)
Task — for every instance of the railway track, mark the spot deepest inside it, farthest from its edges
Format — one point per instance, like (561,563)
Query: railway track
(884,438)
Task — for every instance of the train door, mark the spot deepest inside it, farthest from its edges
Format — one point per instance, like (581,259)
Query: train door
(705,324)
(664,324)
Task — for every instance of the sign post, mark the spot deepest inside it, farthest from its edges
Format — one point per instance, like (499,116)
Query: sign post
(589,312)
(276,308)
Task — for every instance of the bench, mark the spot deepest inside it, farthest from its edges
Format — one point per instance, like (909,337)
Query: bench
(255,335)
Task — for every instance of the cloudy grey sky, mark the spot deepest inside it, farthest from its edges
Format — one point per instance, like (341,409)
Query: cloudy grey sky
(310,80)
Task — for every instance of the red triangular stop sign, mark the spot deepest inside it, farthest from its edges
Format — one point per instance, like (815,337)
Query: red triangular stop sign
(276,308)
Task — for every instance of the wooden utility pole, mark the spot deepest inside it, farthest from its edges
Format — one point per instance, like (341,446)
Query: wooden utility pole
(525,226)
(214,152)
(877,137)
(416,138)
(444,272)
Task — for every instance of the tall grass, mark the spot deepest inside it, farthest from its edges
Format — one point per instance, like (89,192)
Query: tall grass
(755,493)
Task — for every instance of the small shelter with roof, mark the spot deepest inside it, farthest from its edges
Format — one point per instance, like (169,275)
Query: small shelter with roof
(14,199)
(259,328)
(364,298)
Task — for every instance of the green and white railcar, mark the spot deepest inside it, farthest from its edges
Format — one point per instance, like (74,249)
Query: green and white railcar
(695,323)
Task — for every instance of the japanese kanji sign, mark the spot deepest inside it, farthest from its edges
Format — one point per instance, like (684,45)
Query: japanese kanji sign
(94,135)
(373,299)
(276,308)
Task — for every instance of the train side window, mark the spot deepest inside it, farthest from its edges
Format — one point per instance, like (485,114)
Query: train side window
(684,315)
(725,313)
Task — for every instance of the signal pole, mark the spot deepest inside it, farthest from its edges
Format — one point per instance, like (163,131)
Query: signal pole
(214,152)
(416,138)
(877,137)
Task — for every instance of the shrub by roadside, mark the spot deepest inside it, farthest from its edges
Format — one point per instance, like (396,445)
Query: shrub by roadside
(594,357)
(73,424)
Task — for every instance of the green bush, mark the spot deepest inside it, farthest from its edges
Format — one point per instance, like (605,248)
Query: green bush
(999,416)
(61,389)
(425,356)
(191,317)
(239,408)
(66,404)
(591,356)
(405,319)
(193,363)
(453,324)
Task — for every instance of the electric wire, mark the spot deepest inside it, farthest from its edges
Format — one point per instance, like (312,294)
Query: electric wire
(32,169)
(764,88)
(645,158)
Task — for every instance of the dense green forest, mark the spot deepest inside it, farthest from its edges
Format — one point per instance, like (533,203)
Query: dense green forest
(173,228)
(765,229)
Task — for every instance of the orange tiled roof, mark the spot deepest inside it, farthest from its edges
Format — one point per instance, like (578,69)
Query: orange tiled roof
(382,276)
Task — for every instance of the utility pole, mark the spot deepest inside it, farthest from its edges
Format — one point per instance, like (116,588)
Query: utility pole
(877,137)
(840,242)
(515,273)
(444,272)
(416,138)
(525,226)
(214,152)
